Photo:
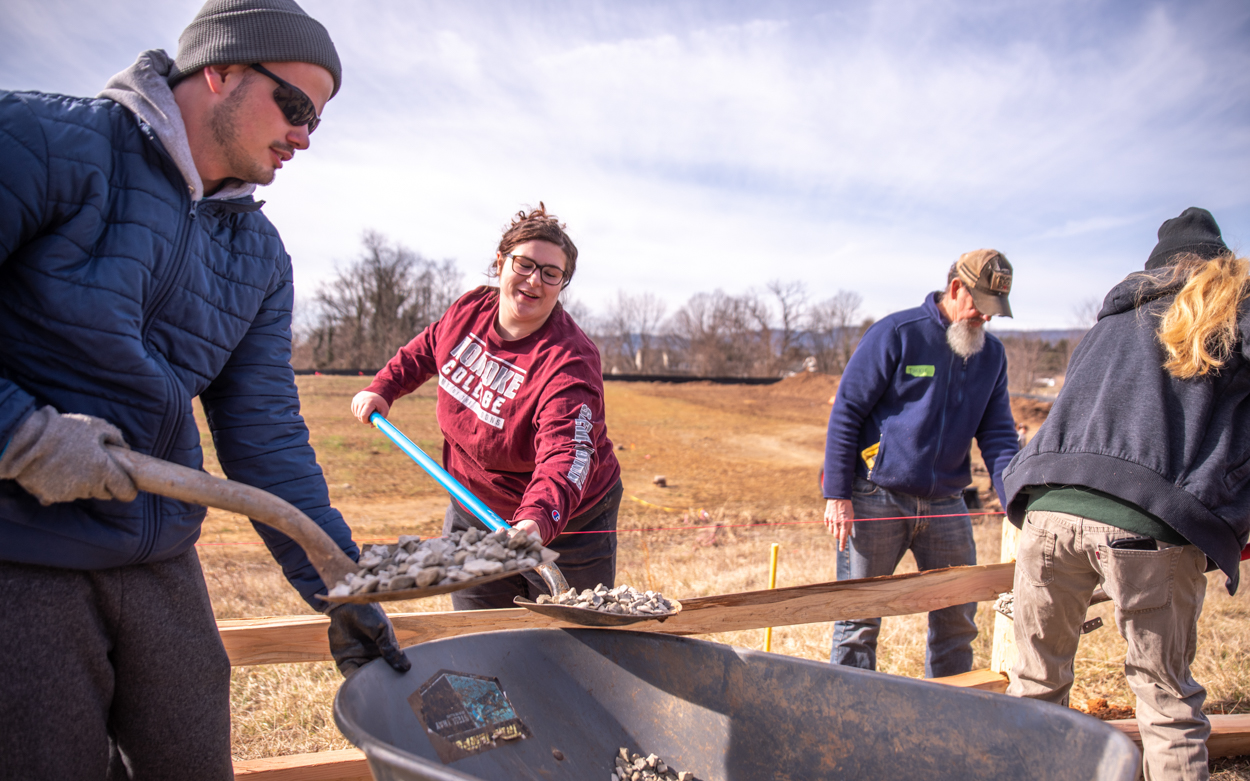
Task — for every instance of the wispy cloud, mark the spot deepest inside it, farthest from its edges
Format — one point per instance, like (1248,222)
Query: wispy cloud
(708,145)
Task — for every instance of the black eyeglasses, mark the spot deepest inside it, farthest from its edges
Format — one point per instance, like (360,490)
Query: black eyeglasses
(551,275)
(297,107)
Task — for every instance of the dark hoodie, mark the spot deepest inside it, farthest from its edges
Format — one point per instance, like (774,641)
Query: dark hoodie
(1178,449)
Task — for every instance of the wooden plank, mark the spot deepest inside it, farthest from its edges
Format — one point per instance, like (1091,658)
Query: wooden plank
(346,765)
(1230,734)
(303,638)
(985,680)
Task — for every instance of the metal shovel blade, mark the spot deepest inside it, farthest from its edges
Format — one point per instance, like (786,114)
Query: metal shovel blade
(585,616)
(549,556)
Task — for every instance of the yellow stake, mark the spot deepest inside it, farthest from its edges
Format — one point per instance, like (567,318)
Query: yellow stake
(772,583)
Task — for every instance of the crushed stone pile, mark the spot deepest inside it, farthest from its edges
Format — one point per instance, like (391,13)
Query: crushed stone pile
(635,767)
(622,599)
(440,561)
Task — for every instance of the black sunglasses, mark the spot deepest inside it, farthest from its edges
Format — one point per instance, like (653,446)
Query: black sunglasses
(297,107)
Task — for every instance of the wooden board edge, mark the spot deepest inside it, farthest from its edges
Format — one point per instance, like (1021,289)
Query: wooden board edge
(339,765)
(985,680)
(303,638)
(1230,734)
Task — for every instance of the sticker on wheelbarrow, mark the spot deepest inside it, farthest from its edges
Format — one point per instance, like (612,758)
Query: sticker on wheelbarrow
(465,714)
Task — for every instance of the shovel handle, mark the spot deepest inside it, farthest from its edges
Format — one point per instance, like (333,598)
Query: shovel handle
(191,485)
(436,471)
(549,572)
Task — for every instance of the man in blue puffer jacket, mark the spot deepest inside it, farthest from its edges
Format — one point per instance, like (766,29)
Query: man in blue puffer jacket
(922,383)
(136,273)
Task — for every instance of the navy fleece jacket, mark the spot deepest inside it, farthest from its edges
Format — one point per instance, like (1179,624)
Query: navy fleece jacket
(907,393)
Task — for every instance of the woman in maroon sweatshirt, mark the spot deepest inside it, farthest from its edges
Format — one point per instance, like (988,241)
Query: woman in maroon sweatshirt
(520,405)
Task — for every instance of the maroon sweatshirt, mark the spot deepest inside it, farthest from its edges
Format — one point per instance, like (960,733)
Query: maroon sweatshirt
(522,421)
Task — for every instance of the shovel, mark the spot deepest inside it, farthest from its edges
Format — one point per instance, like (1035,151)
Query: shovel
(548,571)
(332,564)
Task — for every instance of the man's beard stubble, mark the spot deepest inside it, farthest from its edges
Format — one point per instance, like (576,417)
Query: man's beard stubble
(222,125)
(965,338)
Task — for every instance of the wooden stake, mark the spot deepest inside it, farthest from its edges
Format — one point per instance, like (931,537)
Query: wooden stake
(1003,655)
(772,584)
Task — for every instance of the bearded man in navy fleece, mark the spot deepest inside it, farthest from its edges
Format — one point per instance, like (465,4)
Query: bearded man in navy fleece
(922,383)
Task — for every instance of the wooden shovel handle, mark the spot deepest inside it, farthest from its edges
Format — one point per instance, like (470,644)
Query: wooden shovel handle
(191,485)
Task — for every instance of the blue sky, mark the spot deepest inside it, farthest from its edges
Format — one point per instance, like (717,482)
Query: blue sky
(693,146)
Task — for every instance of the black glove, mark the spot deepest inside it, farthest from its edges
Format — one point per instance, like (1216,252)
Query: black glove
(360,634)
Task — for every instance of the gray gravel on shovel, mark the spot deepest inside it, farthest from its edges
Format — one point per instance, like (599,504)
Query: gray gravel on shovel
(636,767)
(440,561)
(622,599)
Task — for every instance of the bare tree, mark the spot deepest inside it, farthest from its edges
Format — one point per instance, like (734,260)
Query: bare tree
(631,333)
(1086,312)
(1024,359)
(835,331)
(791,298)
(378,303)
(724,335)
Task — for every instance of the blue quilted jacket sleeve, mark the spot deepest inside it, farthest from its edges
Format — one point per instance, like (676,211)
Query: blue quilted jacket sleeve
(262,440)
(23,214)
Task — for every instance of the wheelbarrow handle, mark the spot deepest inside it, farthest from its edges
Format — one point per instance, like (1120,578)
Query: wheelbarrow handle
(191,485)
(550,574)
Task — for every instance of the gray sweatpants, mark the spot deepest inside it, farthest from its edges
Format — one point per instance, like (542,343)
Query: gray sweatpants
(1158,597)
(115,674)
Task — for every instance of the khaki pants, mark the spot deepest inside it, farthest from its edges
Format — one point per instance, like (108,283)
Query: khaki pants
(1158,596)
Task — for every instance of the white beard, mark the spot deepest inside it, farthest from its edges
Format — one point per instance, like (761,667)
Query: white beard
(964,338)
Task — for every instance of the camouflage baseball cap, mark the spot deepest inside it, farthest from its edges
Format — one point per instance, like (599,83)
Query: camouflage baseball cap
(987,275)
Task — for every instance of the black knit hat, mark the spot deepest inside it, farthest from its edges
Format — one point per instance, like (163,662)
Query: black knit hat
(1194,231)
(230,32)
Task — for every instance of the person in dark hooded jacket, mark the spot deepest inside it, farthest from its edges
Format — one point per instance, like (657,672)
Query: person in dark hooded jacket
(1139,477)
(136,274)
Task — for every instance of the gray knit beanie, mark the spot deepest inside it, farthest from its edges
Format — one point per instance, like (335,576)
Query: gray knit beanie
(229,32)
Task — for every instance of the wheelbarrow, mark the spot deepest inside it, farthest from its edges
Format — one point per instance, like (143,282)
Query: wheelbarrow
(560,703)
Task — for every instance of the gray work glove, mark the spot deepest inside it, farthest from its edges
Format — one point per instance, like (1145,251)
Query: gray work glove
(360,634)
(60,458)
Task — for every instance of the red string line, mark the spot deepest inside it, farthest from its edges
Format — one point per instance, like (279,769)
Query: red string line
(693,528)
(778,523)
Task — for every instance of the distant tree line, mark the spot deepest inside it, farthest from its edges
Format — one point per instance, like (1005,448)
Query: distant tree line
(718,334)
(380,301)
(373,306)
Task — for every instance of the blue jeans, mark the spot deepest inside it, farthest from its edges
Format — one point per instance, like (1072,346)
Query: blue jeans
(876,547)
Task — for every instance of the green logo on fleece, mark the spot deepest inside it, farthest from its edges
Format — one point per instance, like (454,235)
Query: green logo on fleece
(920,371)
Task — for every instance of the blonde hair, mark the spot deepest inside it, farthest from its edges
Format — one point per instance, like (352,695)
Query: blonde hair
(1199,329)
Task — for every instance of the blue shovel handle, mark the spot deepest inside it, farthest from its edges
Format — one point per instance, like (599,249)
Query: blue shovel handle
(436,471)
(548,571)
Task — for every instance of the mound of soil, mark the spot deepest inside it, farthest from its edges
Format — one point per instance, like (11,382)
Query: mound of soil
(1030,412)
(812,386)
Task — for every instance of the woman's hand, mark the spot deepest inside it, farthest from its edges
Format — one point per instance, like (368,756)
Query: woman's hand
(838,519)
(365,404)
(529,527)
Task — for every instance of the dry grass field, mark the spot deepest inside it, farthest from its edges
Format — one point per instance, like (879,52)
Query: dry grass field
(748,456)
